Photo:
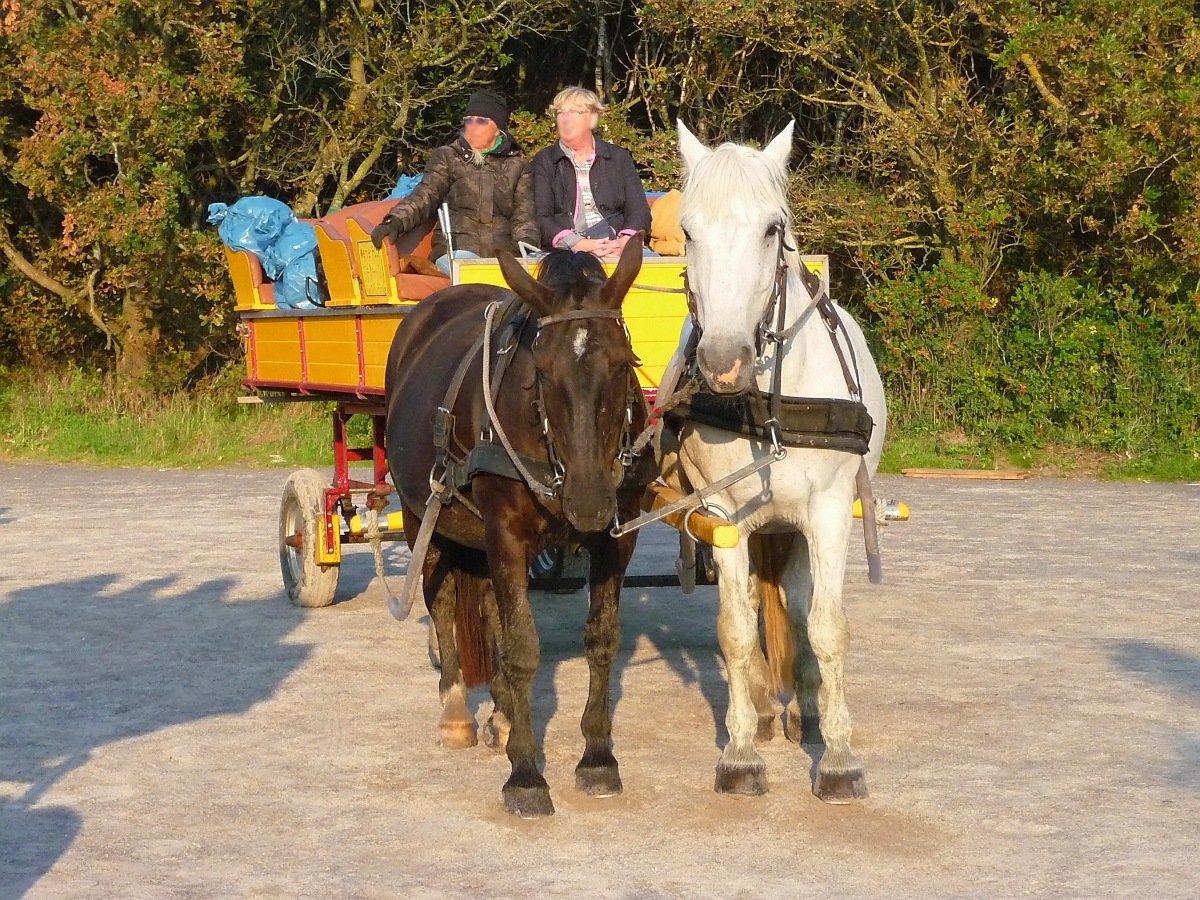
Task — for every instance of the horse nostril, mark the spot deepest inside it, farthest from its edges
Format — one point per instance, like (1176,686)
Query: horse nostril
(593,519)
(724,371)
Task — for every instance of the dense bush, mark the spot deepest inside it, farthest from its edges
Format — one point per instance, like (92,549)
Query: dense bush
(1058,360)
(1008,187)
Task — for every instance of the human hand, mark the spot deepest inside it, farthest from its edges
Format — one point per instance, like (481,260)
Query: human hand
(590,245)
(389,228)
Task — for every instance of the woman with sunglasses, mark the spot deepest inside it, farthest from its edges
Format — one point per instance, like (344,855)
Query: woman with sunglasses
(587,191)
(484,179)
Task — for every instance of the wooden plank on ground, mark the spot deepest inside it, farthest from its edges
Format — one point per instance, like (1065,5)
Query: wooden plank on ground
(986,474)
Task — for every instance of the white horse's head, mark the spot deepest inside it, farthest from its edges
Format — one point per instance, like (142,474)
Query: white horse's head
(735,215)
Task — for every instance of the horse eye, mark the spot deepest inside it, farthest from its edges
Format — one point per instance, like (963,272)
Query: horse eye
(687,235)
(772,229)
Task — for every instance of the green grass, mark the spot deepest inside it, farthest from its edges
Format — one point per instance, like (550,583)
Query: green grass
(1162,466)
(87,417)
(953,450)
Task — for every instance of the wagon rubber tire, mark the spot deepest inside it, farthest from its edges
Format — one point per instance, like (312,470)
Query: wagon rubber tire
(308,584)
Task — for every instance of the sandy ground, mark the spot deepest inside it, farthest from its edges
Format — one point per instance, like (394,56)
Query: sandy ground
(1025,687)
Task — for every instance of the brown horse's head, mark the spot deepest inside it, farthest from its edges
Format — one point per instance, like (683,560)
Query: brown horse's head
(584,365)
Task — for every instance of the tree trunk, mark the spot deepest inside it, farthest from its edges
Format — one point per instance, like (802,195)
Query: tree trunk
(139,339)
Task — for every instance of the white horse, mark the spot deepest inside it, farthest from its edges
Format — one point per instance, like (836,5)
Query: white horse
(796,515)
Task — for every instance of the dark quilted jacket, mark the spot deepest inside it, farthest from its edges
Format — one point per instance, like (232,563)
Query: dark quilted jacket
(491,206)
(615,184)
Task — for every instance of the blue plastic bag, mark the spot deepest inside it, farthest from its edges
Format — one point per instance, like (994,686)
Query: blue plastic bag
(405,186)
(252,223)
(295,269)
(284,247)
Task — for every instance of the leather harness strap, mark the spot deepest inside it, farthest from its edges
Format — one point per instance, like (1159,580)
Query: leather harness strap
(577,314)
(487,457)
(827,423)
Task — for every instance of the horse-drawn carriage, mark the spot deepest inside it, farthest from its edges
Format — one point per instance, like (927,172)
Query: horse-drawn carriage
(338,353)
(776,423)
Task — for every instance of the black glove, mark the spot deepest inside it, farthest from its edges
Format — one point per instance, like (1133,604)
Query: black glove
(389,228)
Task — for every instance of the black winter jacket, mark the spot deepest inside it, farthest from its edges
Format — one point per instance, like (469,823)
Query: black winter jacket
(616,188)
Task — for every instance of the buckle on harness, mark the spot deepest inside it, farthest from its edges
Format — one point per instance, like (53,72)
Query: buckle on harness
(771,429)
(443,428)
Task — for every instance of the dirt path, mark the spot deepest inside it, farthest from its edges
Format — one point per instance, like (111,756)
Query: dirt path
(1025,687)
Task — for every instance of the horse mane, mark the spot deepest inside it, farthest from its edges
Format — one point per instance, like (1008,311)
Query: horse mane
(746,176)
(732,179)
(565,271)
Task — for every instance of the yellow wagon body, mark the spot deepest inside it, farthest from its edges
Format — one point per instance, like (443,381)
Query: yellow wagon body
(342,349)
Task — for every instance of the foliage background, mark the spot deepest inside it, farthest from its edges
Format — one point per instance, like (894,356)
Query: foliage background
(1007,186)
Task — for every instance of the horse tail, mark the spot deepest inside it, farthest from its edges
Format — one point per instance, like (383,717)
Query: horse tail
(771,551)
(470,632)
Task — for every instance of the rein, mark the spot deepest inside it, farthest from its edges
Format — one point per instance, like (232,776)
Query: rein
(534,484)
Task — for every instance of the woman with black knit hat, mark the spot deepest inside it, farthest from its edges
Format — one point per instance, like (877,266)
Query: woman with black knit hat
(484,179)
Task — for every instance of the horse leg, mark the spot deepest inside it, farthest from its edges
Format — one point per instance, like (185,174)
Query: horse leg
(456,728)
(597,772)
(526,792)
(766,703)
(741,770)
(802,720)
(497,727)
(840,776)
(766,682)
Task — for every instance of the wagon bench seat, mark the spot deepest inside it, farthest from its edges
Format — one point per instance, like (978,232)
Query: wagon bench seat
(353,272)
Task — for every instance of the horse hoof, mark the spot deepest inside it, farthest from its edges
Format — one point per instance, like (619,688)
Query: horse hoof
(495,737)
(751,782)
(528,802)
(457,735)
(802,729)
(598,781)
(840,788)
(766,730)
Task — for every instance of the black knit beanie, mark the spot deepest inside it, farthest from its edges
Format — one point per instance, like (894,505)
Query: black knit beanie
(493,106)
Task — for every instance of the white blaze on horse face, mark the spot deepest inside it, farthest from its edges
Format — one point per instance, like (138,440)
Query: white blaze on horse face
(580,342)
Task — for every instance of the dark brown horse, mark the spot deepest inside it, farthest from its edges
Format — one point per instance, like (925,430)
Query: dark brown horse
(568,402)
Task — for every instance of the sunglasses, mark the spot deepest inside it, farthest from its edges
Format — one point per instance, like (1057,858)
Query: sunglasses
(476,120)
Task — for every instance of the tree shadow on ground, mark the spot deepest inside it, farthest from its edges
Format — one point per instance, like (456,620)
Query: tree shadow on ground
(91,661)
(1178,673)
(680,629)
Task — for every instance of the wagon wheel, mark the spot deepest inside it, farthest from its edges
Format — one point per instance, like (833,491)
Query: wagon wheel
(308,584)
(548,564)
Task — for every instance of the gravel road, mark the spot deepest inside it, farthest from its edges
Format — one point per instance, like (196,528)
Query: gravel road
(1025,688)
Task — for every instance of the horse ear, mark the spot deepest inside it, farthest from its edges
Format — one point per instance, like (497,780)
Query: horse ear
(690,147)
(613,293)
(780,147)
(540,297)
